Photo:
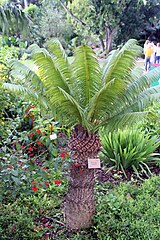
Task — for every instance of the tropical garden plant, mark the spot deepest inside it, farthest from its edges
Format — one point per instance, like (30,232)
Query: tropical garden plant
(86,97)
(129,149)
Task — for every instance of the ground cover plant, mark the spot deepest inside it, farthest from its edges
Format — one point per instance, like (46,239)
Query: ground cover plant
(125,211)
(82,95)
(129,211)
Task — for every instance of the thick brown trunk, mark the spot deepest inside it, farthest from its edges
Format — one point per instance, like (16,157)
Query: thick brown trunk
(79,204)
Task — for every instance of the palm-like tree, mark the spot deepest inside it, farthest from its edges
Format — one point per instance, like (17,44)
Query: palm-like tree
(84,96)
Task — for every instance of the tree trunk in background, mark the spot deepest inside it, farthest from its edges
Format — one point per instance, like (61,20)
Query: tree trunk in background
(109,38)
(102,43)
(25,3)
(79,204)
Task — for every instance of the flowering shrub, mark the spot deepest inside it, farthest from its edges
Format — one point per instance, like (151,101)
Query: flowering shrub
(23,176)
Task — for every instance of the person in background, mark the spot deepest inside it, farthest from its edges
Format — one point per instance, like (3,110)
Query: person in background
(158,53)
(153,56)
(146,44)
(148,53)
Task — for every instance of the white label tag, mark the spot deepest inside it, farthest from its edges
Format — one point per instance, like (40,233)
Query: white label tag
(53,136)
(94,163)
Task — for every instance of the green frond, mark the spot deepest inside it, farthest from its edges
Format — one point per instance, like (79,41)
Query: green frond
(141,84)
(144,99)
(121,62)
(65,106)
(102,104)
(136,73)
(60,59)
(15,88)
(86,75)
(34,48)
(123,120)
(27,93)
(47,71)
(81,93)
(138,104)
(22,72)
(137,93)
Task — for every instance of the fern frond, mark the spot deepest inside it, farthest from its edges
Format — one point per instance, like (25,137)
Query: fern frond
(103,102)
(26,93)
(142,83)
(123,120)
(121,62)
(86,74)
(65,106)
(60,59)
(22,72)
(47,70)
(15,88)
(144,99)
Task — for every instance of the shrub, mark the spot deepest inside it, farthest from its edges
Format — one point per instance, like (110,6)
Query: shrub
(129,212)
(128,149)
(23,219)
(151,123)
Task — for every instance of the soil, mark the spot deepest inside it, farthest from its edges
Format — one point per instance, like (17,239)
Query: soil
(116,177)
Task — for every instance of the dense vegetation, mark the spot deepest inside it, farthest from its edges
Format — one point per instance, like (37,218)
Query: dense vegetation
(60,104)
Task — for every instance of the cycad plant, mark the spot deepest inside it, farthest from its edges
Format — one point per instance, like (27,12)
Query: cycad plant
(86,97)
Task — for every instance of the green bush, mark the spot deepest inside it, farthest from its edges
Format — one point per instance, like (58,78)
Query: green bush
(151,123)
(23,218)
(129,212)
(128,149)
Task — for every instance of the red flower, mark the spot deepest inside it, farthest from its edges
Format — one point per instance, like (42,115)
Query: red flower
(38,131)
(39,143)
(31,134)
(47,184)
(21,147)
(44,168)
(64,154)
(32,106)
(34,188)
(45,236)
(77,164)
(20,163)
(57,182)
(40,185)
(67,154)
(48,226)
(31,155)
(34,182)
(30,149)
(27,115)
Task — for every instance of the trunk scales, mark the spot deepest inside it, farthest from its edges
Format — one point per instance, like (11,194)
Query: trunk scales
(79,204)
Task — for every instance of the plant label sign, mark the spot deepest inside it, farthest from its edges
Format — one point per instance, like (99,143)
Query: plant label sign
(53,136)
(94,163)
